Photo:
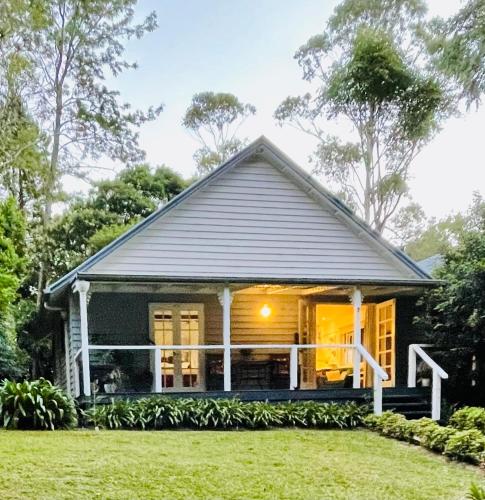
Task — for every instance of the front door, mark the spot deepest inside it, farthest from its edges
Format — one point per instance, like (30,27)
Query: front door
(179,324)
(386,339)
(306,335)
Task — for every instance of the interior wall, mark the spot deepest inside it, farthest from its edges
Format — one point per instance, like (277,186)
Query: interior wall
(333,321)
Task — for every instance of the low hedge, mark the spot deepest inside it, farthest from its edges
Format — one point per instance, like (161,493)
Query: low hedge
(469,417)
(35,404)
(169,413)
(466,445)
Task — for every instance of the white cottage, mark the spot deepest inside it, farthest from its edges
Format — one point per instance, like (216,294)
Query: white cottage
(256,282)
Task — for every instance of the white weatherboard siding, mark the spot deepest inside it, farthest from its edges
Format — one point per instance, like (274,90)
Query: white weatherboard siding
(252,221)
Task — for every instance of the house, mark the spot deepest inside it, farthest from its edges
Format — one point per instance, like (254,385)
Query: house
(254,281)
(431,264)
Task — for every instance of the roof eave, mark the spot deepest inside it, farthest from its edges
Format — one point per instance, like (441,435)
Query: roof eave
(257,280)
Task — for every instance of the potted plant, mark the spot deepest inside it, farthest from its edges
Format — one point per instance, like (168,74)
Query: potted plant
(112,381)
(424,374)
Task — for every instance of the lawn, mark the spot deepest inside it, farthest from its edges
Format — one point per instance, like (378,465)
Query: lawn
(248,464)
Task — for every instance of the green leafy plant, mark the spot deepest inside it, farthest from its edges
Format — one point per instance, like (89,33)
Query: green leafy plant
(424,431)
(217,413)
(469,417)
(163,412)
(262,415)
(160,413)
(476,492)
(35,404)
(119,414)
(436,437)
(466,445)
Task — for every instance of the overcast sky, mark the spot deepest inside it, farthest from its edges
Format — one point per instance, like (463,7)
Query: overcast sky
(246,47)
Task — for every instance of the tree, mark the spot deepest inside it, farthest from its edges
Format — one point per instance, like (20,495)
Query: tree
(23,160)
(458,45)
(453,317)
(439,237)
(22,146)
(12,272)
(366,77)
(73,45)
(214,119)
(110,209)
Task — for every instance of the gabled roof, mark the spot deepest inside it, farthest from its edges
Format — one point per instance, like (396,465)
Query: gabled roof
(262,147)
(432,263)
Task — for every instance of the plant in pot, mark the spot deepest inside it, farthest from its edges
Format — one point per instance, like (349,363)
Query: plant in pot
(424,374)
(112,381)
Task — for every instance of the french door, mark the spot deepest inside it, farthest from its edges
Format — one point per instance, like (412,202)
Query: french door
(179,324)
(306,334)
(386,339)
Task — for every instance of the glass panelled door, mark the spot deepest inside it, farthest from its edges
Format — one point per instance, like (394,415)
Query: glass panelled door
(386,339)
(179,324)
(306,334)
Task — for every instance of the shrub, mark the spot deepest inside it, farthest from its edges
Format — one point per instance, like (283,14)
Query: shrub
(468,445)
(119,414)
(469,417)
(35,404)
(163,412)
(392,425)
(436,437)
(425,431)
(262,415)
(421,427)
(216,414)
(159,412)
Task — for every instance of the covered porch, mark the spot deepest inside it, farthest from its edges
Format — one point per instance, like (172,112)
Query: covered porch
(236,337)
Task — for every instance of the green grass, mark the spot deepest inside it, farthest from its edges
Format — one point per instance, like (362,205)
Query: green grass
(302,464)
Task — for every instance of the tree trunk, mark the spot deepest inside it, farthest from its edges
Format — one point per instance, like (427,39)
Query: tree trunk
(50,186)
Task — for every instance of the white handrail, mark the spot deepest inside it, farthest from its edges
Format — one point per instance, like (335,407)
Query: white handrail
(418,348)
(379,376)
(379,373)
(438,375)
(201,347)
(372,362)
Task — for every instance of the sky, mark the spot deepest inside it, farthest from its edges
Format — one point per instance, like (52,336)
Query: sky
(246,47)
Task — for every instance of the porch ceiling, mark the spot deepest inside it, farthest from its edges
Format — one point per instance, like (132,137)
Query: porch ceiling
(304,290)
(327,290)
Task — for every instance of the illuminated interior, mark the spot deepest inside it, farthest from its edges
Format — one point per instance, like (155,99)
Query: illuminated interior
(334,325)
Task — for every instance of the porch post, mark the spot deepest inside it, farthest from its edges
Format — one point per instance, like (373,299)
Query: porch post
(226,335)
(67,351)
(82,287)
(357,303)
(411,366)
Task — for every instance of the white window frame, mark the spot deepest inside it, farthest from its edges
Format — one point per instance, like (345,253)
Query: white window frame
(178,306)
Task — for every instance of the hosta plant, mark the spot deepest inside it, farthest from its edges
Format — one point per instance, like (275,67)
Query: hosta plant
(35,404)
(117,415)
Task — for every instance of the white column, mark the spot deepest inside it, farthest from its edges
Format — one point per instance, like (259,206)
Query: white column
(67,351)
(157,370)
(377,394)
(436,396)
(357,303)
(412,367)
(226,336)
(82,287)
(293,368)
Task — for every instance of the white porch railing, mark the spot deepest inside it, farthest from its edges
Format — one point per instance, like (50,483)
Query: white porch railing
(379,376)
(379,373)
(438,374)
